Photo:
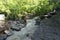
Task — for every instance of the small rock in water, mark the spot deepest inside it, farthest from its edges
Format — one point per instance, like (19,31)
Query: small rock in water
(3,37)
(9,33)
(37,22)
(15,28)
(42,17)
(53,12)
(27,35)
(47,16)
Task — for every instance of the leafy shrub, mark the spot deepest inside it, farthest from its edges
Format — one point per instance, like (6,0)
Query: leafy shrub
(17,8)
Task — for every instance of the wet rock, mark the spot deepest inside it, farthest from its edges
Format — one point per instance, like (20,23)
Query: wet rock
(47,16)
(8,32)
(3,36)
(37,21)
(15,28)
(27,35)
(53,12)
(42,17)
(16,25)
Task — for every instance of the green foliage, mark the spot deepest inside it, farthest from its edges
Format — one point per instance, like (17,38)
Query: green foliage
(18,8)
(44,7)
(56,4)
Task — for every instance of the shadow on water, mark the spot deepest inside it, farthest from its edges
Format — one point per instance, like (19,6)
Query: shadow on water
(49,29)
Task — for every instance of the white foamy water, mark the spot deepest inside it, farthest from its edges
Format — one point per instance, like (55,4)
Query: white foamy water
(21,35)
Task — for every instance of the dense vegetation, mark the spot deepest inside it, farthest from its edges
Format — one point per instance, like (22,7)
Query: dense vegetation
(14,9)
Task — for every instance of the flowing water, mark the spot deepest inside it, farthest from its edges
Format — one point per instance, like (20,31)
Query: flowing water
(26,32)
(47,29)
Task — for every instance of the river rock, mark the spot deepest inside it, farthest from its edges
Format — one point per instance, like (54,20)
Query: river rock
(15,28)
(15,25)
(8,32)
(3,36)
